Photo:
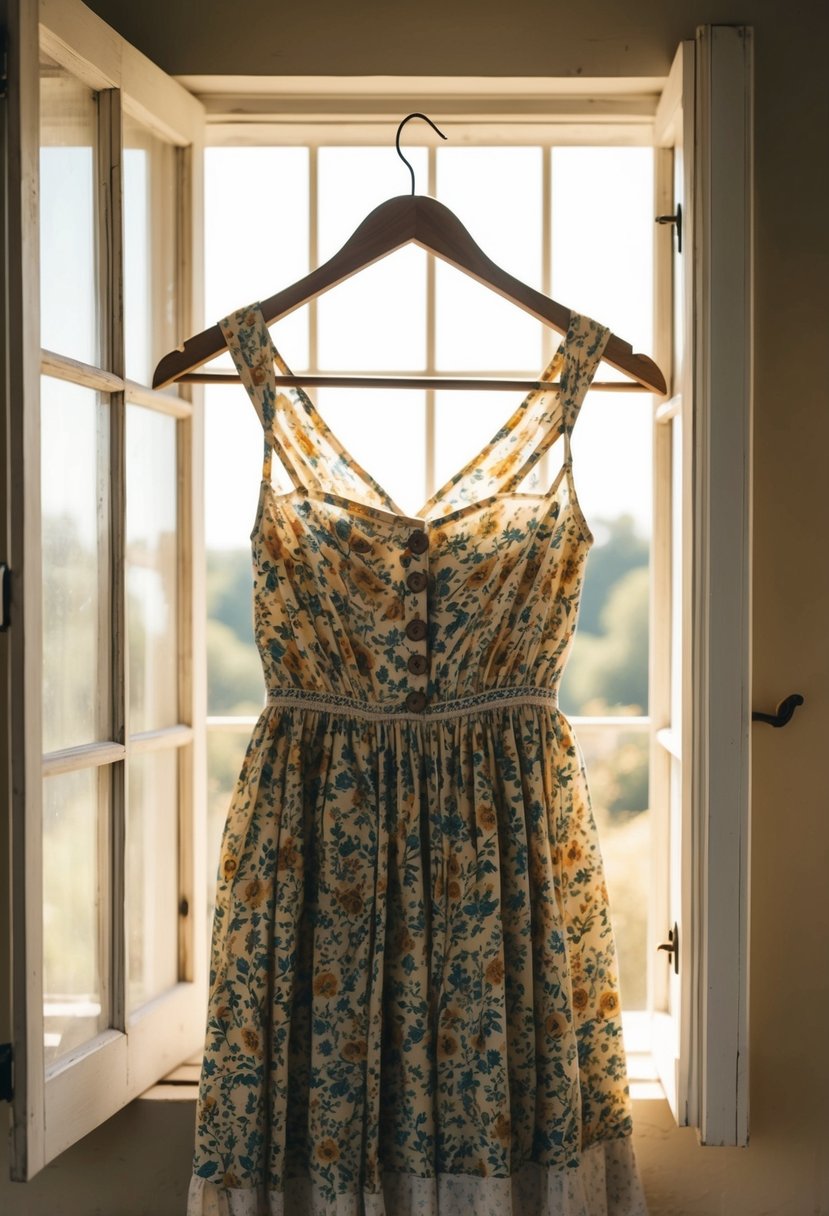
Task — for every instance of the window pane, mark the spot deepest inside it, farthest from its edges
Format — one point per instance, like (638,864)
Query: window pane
(617,767)
(384,430)
(225,753)
(150,208)
(152,548)
(464,422)
(602,213)
(256,190)
(68,215)
(152,875)
(76,564)
(75,908)
(375,320)
(496,193)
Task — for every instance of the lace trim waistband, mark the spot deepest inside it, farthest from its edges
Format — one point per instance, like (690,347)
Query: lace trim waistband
(328,702)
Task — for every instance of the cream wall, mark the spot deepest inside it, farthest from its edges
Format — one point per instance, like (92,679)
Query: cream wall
(138,1163)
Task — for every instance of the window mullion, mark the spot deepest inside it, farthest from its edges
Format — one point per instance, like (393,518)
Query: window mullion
(429,437)
(313,253)
(113,357)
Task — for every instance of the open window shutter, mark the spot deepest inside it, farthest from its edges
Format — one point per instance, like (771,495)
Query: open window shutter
(134,778)
(701,658)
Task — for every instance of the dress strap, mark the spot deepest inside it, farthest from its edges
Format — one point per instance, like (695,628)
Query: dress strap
(254,362)
(578,358)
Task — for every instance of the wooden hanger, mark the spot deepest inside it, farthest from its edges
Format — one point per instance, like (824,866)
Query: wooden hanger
(422,221)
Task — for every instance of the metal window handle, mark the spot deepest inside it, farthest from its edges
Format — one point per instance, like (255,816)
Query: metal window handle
(674,219)
(671,946)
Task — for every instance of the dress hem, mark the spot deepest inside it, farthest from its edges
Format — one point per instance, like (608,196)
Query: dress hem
(606,1182)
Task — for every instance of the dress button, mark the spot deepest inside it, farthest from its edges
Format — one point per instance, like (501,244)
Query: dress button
(416,701)
(416,581)
(418,541)
(417,664)
(416,629)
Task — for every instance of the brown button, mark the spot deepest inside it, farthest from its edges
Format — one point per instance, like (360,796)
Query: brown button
(417,664)
(416,629)
(416,581)
(416,701)
(418,541)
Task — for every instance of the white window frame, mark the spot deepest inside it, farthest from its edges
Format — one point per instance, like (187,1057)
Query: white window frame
(702,111)
(52,1108)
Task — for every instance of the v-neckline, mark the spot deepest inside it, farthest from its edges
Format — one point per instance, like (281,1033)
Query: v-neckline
(422,515)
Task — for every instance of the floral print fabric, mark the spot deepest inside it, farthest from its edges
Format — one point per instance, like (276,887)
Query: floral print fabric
(413,989)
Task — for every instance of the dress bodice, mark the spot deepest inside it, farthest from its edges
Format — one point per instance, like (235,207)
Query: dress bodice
(476,594)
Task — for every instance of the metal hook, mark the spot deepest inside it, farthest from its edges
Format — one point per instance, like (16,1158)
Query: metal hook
(397,141)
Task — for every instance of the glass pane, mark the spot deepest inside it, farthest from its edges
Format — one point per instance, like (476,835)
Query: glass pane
(617,773)
(464,422)
(235,683)
(496,193)
(225,753)
(384,430)
(607,669)
(68,215)
(150,209)
(262,190)
(152,875)
(76,564)
(152,548)
(602,211)
(75,909)
(676,573)
(377,319)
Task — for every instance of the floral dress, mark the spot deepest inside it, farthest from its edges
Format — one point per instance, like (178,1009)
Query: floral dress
(414,1003)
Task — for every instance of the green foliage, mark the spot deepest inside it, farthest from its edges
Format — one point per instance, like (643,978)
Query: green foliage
(607,670)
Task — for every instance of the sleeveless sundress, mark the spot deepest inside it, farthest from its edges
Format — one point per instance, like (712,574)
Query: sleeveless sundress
(413,999)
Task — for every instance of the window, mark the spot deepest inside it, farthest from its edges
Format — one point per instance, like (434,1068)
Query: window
(110,808)
(557,233)
(108,985)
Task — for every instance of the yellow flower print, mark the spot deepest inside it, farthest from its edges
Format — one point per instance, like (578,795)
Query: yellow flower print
(254,892)
(569,571)
(351,900)
(250,1039)
(573,853)
(258,375)
(327,1150)
(580,998)
(555,1024)
(453,866)
(480,574)
(289,857)
(366,580)
(355,1049)
(495,970)
(394,610)
(326,984)
(452,1015)
(487,818)
(482,1167)
(230,1180)
(304,442)
(454,889)
(503,1128)
(609,1003)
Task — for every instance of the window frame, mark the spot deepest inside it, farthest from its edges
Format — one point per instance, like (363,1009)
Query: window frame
(54,1106)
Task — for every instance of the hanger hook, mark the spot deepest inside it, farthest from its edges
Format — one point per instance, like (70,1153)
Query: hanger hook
(397,140)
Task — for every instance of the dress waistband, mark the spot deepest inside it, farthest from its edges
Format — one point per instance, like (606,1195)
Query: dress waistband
(329,702)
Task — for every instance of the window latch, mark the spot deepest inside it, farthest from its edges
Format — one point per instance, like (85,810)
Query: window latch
(674,219)
(671,946)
